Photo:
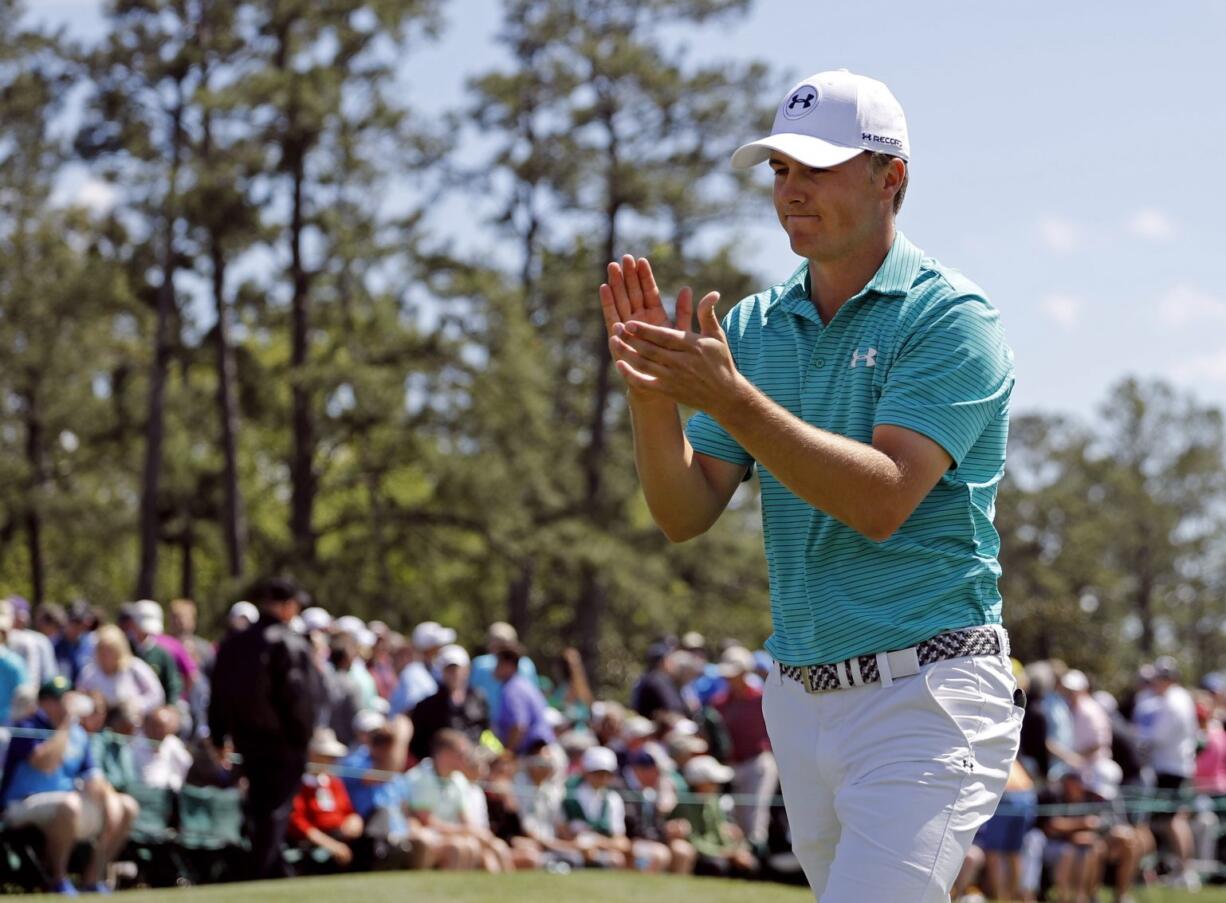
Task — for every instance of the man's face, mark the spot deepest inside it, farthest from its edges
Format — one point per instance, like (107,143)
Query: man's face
(827,212)
(455,677)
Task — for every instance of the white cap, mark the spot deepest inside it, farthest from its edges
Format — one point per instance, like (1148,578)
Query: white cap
(316,618)
(1075,681)
(706,770)
(735,661)
(297,625)
(350,624)
(452,655)
(366,638)
(431,635)
(574,741)
(599,758)
(244,610)
(324,743)
(148,615)
(637,727)
(554,718)
(829,118)
(368,720)
(502,632)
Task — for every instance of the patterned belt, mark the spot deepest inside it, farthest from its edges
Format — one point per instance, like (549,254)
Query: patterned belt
(866,669)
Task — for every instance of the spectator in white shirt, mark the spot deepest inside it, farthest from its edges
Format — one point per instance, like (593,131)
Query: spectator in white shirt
(1091,723)
(119,675)
(161,759)
(1166,728)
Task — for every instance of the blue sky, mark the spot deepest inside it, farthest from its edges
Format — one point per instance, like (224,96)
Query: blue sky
(1065,156)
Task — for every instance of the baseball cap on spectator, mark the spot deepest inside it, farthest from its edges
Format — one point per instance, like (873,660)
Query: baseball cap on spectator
(6,614)
(244,610)
(1075,681)
(1146,674)
(378,628)
(298,625)
(735,661)
(79,612)
(316,618)
(599,758)
(55,688)
(1106,701)
(554,718)
(1214,682)
(1102,777)
(368,720)
(324,743)
(706,770)
(501,632)
(148,615)
(432,635)
(349,624)
(21,606)
(830,117)
(452,655)
(642,758)
(574,742)
(694,642)
(379,704)
(51,611)
(637,727)
(366,638)
(656,653)
(1166,668)
(685,745)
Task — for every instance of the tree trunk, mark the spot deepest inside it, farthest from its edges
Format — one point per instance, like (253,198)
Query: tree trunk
(592,595)
(234,523)
(519,597)
(187,545)
(302,472)
(150,525)
(36,461)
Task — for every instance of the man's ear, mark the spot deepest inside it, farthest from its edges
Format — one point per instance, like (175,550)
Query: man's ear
(893,175)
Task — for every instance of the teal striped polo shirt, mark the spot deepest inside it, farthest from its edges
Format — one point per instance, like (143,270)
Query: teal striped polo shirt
(918,347)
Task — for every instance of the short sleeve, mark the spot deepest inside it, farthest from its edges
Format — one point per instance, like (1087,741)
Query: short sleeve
(952,376)
(704,432)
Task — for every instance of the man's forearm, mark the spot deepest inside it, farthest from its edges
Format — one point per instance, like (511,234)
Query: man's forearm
(849,480)
(679,496)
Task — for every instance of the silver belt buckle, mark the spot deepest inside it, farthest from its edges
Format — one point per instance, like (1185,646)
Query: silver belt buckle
(806,678)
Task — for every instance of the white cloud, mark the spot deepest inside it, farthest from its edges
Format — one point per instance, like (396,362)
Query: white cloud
(1184,304)
(1151,225)
(1061,235)
(1064,310)
(1209,367)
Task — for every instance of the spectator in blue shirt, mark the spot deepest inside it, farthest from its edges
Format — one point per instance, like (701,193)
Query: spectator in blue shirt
(520,722)
(482,679)
(12,665)
(74,647)
(52,783)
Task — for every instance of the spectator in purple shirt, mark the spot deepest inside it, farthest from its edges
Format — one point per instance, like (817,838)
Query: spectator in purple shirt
(520,721)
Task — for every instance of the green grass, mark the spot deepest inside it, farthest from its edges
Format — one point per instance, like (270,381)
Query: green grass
(437,887)
(524,887)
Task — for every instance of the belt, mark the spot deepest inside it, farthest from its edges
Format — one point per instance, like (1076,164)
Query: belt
(885,666)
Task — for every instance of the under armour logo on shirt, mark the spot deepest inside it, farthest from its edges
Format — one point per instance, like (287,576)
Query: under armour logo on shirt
(868,358)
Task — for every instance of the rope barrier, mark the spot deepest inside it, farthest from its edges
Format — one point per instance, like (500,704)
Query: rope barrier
(1132,799)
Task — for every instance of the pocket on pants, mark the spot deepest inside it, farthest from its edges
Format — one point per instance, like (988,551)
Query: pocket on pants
(976,703)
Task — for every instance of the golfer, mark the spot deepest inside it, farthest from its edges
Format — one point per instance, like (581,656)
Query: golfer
(871,390)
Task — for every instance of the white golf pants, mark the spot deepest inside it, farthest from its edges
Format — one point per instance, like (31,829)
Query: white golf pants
(885,786)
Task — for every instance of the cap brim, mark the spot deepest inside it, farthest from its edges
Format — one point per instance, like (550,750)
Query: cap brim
(805,148)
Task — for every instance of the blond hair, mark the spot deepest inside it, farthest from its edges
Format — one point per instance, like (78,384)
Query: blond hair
(111,637)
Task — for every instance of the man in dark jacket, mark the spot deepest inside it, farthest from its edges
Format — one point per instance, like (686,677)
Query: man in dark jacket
(456,705)
(266,689)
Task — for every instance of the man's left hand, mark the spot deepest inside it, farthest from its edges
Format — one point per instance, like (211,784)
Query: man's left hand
(694,369)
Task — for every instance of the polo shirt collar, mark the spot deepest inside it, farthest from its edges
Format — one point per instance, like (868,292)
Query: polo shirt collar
(893,278)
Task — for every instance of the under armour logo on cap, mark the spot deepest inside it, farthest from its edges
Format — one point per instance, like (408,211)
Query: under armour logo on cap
(802,100)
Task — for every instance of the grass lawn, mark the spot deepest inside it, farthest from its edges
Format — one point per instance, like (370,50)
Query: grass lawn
(528,887)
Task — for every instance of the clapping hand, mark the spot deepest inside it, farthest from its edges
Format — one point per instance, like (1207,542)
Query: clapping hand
(632,296)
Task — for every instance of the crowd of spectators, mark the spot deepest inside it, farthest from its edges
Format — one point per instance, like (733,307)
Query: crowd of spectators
(1106,792)
(421,756)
